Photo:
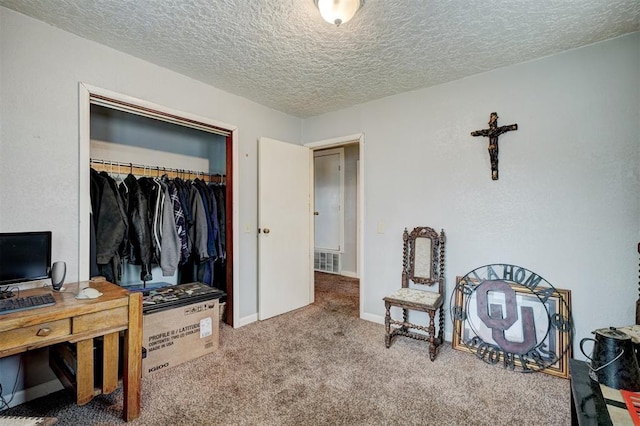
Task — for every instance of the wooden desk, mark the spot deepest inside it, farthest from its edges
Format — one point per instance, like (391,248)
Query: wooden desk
(79,321)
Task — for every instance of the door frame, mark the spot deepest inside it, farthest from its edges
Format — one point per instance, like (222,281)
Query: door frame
(87,93)
(337,142)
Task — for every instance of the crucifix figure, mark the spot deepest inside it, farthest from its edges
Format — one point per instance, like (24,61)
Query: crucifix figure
(492,133)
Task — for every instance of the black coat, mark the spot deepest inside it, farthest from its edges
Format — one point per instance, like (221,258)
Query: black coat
(139,230)
(108,218)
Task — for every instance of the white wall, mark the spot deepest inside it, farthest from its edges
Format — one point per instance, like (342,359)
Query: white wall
(566,205)
(40,68)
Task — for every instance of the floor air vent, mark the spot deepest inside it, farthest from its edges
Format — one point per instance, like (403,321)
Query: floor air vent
(326,261)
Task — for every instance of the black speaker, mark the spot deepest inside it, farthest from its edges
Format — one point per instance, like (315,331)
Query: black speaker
(58,272)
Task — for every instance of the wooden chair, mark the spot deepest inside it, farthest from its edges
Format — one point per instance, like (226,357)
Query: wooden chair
(423,265)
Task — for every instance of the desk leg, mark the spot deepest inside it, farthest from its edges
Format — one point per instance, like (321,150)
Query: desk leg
(110,356)
(132,373)
(84,374)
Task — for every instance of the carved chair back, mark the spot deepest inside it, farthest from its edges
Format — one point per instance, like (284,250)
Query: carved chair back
(423,257)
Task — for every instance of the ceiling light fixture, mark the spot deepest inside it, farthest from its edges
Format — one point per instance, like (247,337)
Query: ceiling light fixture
(338,11)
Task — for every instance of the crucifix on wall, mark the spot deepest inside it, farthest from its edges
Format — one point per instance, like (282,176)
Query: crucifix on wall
(492,133)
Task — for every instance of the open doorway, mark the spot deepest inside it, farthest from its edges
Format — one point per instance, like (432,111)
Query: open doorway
(337,224)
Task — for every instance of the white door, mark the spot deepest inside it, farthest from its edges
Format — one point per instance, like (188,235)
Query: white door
(328,199)
(284,227)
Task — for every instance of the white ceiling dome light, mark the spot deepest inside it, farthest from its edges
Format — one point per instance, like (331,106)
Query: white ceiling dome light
(338,11)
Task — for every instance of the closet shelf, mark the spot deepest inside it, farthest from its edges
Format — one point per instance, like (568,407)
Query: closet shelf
(140,170)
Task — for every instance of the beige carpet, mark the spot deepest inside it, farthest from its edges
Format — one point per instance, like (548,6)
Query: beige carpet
(321,365)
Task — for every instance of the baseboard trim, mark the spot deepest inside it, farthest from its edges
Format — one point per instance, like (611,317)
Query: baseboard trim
(34,392)
(247,320)
(448,336)
(379,319)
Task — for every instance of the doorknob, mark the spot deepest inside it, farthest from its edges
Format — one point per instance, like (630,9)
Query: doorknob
(266,230)
(316,213)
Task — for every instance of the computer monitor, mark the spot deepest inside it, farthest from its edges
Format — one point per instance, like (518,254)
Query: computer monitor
(24,256)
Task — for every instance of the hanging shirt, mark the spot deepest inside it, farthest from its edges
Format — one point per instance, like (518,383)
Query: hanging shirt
(181,224)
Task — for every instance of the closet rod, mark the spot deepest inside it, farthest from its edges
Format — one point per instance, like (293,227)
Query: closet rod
(145,170)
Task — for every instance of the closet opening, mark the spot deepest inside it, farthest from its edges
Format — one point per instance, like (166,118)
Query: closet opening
(157,151)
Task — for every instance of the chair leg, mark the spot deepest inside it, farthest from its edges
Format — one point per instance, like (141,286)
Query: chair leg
(433,345)
(441,330)
(405,317)
(387,325)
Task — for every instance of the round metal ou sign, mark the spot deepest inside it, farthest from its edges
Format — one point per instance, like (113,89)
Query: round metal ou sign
(511,316)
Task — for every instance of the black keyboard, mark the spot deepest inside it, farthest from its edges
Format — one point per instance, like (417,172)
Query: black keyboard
(16,304)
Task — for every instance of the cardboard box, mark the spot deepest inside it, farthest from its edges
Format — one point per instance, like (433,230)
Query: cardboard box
(182,333)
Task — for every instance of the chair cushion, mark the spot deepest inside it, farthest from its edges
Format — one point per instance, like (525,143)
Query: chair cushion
(427,298)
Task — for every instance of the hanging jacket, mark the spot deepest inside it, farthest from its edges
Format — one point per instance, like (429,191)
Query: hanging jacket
(151,192)
(220,192)
(180,220)
(184,193)
(140,235)
(213,212)
(122,211)
(169,239)
(198,232)
(206,201)
(109,223)
(124,199)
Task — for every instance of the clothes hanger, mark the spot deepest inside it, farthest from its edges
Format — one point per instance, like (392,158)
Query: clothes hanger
(122,182)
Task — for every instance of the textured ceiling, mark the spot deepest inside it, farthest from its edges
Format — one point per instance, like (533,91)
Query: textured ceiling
(280,53)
